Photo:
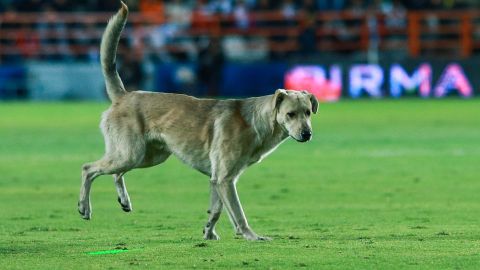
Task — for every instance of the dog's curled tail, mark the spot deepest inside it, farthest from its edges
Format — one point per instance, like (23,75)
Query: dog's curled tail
(108,51)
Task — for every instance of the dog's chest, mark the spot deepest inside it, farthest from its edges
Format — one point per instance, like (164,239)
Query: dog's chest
(263,150)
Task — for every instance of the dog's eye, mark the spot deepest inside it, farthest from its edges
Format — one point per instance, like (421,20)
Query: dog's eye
(291,114)
(308,112)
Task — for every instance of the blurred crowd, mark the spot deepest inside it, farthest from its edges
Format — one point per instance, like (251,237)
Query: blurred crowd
(224,6)
(55,38)
(61,40)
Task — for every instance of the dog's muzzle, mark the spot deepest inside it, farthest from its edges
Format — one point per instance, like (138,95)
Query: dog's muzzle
(305,136)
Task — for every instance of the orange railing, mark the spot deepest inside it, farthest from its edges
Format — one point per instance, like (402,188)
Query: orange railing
(417,32)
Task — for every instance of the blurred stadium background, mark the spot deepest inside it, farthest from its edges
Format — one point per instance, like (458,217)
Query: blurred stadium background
(383,185)
(334,48)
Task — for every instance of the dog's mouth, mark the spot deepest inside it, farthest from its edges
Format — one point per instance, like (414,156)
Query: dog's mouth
(300,140)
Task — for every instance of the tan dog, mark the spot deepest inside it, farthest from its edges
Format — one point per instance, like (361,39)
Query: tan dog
(219,138)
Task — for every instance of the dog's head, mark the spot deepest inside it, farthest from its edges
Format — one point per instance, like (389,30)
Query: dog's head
(293,111)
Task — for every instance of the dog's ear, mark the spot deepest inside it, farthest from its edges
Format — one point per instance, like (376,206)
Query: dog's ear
(313,101)
(279,96)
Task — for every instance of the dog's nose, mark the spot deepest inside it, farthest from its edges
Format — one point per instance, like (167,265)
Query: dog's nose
(306,135)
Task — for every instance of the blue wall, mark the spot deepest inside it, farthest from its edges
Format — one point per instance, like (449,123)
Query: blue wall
(12,81)
(253,79)
(239,80)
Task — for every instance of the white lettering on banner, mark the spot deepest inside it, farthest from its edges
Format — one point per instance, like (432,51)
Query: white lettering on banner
(420,79)
(453,78)
(369,78)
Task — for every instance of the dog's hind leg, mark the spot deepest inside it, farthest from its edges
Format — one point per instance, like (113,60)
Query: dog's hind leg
(91,171)
(214,212)
(153,156)
(123,197)
(84,207)
(114,162)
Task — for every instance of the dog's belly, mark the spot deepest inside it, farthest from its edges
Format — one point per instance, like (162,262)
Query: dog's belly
(195,159)
(191,152)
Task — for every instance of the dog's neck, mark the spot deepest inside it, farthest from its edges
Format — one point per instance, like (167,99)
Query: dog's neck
(261,115)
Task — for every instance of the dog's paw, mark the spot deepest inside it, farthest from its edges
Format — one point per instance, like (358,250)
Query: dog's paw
(125,207)
(85,212)
(251,236)
(210,235)
(238,231)
(263,238)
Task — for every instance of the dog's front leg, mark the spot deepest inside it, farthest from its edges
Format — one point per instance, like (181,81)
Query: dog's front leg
(214,212)
(228,194)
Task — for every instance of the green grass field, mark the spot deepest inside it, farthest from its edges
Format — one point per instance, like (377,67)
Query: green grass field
(383,185)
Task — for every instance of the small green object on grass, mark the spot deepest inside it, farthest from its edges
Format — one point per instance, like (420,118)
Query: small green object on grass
(104,252)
